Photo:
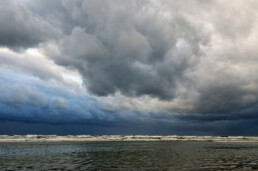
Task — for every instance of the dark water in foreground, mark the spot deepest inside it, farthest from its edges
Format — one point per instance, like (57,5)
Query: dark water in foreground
(129,156)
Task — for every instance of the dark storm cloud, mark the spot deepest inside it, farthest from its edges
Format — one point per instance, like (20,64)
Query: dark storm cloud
(21,29)
(158,61)
(125,48)
(225,99)
(120,126)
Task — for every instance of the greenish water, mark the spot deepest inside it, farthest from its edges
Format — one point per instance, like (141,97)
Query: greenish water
(173,155)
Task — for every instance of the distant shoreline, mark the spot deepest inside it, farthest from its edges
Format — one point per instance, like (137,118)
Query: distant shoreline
(121,138)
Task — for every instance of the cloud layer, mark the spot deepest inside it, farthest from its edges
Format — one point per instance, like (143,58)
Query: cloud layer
(142,61)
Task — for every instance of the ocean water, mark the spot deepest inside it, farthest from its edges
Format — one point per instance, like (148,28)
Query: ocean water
(153,155)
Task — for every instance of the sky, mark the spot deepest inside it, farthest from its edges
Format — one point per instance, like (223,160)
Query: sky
(152,67)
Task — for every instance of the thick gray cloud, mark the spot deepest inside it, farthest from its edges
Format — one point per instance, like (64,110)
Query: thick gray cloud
(31,63)
(20,95)
(59,103)
(197,62)
(21,29)
(129,49)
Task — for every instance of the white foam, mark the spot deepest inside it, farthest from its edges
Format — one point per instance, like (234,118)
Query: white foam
(87,138)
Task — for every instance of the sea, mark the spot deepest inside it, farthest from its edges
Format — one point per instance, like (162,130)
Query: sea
(128,155)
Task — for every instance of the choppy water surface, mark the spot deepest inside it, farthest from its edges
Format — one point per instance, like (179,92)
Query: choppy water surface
(129,156)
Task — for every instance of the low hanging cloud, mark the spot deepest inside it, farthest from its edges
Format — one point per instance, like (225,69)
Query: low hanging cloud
(20,95)
(59,103)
